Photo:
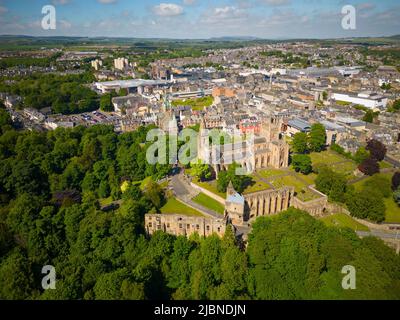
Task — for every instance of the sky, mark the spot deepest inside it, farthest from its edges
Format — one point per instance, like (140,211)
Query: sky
(201,19)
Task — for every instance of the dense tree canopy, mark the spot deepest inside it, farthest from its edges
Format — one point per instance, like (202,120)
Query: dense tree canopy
(54,218)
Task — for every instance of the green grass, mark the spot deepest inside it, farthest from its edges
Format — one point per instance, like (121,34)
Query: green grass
(196,104)
(210,186)
(288,181)
(334,161)
(392,209)
(257,185)
(301,188)
(271,173)
(105,202)
(342,220)
(342,103)
(209,203)
(385,165)
(173,206)
(326,157)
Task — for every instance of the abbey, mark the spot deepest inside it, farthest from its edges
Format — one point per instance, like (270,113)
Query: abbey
(266,150)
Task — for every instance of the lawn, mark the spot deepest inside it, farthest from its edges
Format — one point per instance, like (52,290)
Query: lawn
(196,104)
(392,211)
(385,165)
(288,181)
(334,161)
(342,220)
(257,185)
(210,186)
(271,173)
(326,157)
(209,203)
(173,206)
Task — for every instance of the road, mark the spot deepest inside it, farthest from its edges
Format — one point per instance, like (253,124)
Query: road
(183,192)
(379,234)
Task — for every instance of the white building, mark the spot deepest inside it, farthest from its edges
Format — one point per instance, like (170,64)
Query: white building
(96,64)
(121,63)
(367,99)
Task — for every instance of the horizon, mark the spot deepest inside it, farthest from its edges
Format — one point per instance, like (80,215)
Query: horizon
(201,19)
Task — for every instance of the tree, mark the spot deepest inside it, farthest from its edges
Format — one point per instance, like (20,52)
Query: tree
(379,183)
(396,196)
(302,163)
(299,142)
(16,280)
(369,166)
(396,181)
(361,155)
(317,138)
(201,171)
(240,182)
(106,103)
(377,149)
(367,204)
(369,116)
(331,183)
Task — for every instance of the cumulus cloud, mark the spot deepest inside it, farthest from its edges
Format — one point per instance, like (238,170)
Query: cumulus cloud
(167,10)
(224,14)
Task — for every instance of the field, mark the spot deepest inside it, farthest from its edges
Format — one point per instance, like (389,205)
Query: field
(209,203)
(342,220)
(174,206)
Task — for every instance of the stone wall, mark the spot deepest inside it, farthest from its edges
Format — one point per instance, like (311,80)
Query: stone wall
(180,225)
(314,207)
(268,202)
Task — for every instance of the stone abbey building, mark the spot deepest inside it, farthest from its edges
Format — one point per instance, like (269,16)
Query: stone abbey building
(266,150)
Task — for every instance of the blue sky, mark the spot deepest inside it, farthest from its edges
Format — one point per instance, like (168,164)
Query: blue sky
(201,18)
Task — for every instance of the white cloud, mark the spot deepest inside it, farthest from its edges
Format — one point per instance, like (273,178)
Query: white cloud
(167,10)
(224,15)
(60,2)
(189,2)
(276,2)
(107,1)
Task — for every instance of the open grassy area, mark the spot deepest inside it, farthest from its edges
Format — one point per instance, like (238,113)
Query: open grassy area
(209,203)
(196,104)
(392,211)
(385,165)
(267,173)
(173,206)
(210,186)
(342,220)
(335,161)
(327,157)
(257,185)
(301,189)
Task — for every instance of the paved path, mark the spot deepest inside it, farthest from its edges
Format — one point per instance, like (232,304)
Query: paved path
(184,192)
(380,234)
